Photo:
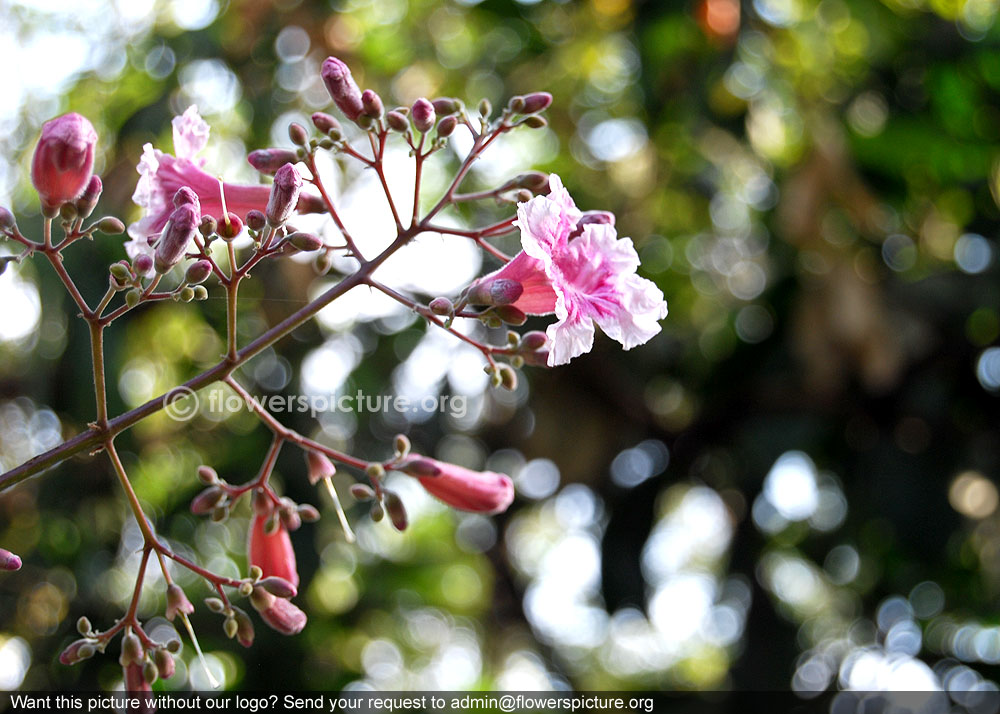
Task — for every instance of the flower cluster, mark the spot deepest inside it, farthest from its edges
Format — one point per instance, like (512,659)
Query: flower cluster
(572,264)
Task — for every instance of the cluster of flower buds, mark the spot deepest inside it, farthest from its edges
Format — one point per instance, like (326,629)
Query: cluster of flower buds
(528,108)
(142,663)
(237,623)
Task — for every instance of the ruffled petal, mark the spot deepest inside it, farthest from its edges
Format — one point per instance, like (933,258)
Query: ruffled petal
(190,133)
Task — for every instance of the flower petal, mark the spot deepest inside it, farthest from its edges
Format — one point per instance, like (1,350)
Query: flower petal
(190,133)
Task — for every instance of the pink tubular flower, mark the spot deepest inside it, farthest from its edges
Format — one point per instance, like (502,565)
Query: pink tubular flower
(63,160)
(478,491)
(162,175)
(583,280)
(272,553)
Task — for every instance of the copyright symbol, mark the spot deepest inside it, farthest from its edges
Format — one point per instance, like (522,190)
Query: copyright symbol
(507,703)
(180,403)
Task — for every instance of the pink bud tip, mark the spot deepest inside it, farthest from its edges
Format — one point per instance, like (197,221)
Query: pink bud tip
(63,160)
(9,561)
(424,115)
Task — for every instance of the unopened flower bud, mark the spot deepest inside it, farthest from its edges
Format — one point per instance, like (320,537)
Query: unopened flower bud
(538,358)
(246,588)
(207,500)
(7,221)
(109,225)
(536,102)
(165,664)
(397,122)
(121,273)
(342,88)
(498,291)
(186,294)
(424,115)
(230,627)
(442,306)
(298,134)
(375,470)
(516,104)
(262,505)
(207,475)
(445,105)
(176,236)
(376,512)
(279,587)
(186,195)
(401,444)
(533,340)
(396,510)
(220,513)
(67,212)
(290,517)
(256,220)
(536,122)
(281,615)
(323,263)
(83,626)
(485,108)
(510,314)
(207,226)
(420,466)
(198,272)
(305,242)
(256,572)
(268,161)
(174,646)
(362,492)
(77,651)
(308,513)
(284,194)
(229,226)
(63,161)
(372,103)
(365,122)
(325,123)
(177,602)
(533,181)
(133,296)
(131,648)
(244,631)
(87,202)
(200,292)
(508,377)
(446,126)
(149,672)
(9,561)
(215,604)
(320,467)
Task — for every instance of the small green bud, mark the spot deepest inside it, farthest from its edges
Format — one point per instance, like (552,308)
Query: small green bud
(246,588)
(133,296)
(215,604)
(536,122)
(111,226)
(485,108)
(297,133)
(402,445)
(362,492)
(200,292)
(83,626)
(256,573)
(187,294)
(377,513)
(375,470)
(508,377)
(207,475)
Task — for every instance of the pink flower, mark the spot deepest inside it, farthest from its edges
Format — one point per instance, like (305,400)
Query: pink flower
(583,280)
(63,160)
(280,615)
(161,175)
(272,553)
(479,491)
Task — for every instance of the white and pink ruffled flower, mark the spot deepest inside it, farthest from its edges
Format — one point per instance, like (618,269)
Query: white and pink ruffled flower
(583,280)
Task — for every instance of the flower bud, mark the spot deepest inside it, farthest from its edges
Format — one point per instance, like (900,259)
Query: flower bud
(109,225)
(445,105)
(132,297)
(279,587)
(9,561)
(533,340)
(87,202)
(325,123)
(396,510)
(323,263)
(533,181)
(268,161)
(256,220)
(497,291)
(165,664)
(186,195)
(420,466)
(342,88)
(376,512)
(508,377)
(207,500)
(280,614)
(207,226)
(150,673)
(262,503)
(176,237)
(220,513)
(477,491)
(446,126)
(7,221)
(320,467)
(230,226)
(230,627)
(67,212)
(375,470)
(77,651)
(198,272)
(284,194)
(177,602)
(424,115)
(308,513)
(207,475)
(298,134)
(485,108)
(372,103)
(131,648)
(244,630)
(121,273)
(83,626)
(215,604)
(538,358)
(442,306)
(536,122)
(305,242)
(510,314)
(536,102)
(63,161)
(516,104)
(362,492)
(401,444)
(200,292)
(397,122)
(290,517)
